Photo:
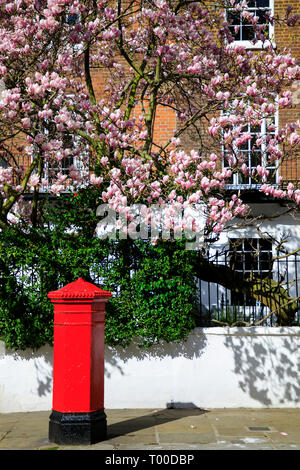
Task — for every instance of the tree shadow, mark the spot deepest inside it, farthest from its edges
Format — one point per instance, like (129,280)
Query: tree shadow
(173,412)
(115,357)
(193,347)
(268,366)
(43,363)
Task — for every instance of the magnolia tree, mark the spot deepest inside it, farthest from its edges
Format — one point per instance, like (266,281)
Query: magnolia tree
(174,54)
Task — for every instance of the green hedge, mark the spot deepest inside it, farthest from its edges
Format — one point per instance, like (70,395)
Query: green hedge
(153,285)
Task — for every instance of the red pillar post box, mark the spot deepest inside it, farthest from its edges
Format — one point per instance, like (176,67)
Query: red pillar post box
(78,415)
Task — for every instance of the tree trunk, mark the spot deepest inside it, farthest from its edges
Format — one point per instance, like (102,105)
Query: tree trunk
(267,291)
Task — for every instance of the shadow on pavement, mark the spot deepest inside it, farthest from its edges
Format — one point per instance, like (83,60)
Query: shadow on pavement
(174,411)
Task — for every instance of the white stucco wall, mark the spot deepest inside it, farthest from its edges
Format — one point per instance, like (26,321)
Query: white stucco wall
(216,368)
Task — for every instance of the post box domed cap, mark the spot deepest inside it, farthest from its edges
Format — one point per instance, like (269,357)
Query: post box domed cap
(79,289)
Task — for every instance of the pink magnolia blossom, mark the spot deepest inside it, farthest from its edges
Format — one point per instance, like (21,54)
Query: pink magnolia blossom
(34,180)
(48,96)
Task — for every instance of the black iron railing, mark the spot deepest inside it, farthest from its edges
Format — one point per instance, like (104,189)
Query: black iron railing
(275,288)
(219,305)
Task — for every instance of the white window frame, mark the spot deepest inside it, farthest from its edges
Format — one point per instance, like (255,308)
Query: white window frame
(77,163)
(259,44)
(235,185)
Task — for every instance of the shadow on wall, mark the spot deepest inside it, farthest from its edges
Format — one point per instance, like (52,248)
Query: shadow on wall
(192,348)
(268,367)
(42,359)
(43,364)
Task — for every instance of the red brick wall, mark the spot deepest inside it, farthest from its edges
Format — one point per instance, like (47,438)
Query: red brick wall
(289,37)
(285,37)
(165,121)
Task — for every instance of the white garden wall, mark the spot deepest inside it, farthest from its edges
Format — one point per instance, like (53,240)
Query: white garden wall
(216,368)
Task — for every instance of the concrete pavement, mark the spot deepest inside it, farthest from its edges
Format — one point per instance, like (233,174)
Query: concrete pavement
(166,429)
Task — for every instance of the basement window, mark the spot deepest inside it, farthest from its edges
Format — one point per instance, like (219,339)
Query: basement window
(250,257)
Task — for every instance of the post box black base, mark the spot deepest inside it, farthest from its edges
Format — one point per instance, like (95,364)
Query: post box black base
(77,428)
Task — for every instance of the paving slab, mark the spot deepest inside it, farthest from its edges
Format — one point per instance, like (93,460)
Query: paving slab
(166,430)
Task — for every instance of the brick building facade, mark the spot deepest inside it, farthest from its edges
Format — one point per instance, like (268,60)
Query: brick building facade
(166,122)
(282,37)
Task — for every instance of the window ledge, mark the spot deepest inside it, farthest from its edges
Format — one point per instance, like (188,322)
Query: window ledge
(258,45)
(243,187)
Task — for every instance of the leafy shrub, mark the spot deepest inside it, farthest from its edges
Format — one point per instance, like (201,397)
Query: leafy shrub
(153,286)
